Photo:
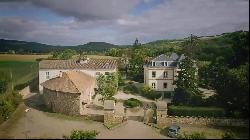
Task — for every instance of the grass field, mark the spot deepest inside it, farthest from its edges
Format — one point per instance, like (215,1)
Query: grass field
(18,57)
(21,71)
(25,67)
(22,67)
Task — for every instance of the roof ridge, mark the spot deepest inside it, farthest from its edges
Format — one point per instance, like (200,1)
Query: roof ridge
(72,82)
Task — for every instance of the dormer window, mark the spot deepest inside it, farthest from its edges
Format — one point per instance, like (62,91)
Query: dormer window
(153,63)
(166,63)
(162,63)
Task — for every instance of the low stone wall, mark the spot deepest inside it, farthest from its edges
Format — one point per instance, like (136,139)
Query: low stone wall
(94,117)
(165,121)
(110,118)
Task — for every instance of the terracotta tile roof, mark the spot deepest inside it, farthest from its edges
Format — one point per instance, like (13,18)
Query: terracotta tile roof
(71,82)
(75,64)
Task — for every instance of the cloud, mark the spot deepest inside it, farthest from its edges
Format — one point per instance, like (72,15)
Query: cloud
(109,21)
(85,9)
(180,18)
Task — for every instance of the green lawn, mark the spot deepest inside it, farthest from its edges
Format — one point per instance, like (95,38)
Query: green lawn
(21,71)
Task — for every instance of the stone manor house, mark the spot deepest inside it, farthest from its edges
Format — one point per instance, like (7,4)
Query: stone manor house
(161,71)
(68,85)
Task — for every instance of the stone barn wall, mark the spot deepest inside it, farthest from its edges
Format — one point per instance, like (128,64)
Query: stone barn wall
(66,103)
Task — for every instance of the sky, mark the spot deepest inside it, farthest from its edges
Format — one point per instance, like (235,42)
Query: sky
(75,22)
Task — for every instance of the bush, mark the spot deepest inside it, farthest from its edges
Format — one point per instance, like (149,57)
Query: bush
(131,89)
(195,111)
(76,134)
(8,103)
(132,102)
(228,135)
(146,91)
(195,135)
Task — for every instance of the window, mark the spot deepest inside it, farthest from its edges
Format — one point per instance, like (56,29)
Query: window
(106,73)
(153,74)
(153,85)
(97,73)
(165,85)
(162,63)
(166,63)
(165,74)
(47,75)
(153,63)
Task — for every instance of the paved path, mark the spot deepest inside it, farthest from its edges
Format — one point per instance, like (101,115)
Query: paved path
(123,96)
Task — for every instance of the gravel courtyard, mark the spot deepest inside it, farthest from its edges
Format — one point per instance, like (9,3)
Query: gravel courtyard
(38,124)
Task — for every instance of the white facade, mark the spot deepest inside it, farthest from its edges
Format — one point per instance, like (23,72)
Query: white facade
(47,74)
(160,79)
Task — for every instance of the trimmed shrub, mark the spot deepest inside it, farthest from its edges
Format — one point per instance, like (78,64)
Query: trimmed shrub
(132,102)
(146,91)
(195,111)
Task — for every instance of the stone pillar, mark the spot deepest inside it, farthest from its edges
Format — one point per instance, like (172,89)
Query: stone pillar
(161,114)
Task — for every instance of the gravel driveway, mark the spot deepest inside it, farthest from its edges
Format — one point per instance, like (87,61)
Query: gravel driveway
(38,124)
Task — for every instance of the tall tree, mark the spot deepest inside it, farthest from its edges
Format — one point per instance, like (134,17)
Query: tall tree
(136,61)
(107,85)
(187,91)
(190,46)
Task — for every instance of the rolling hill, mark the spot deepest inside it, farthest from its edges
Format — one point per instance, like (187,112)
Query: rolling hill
(33,47)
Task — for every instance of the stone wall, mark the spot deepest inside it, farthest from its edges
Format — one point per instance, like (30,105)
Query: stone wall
(110,118)
(66,103)
(165,121)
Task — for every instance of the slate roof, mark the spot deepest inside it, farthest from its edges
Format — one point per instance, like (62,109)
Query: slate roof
(174,56)
(162,57)
(75,64)
(70,82)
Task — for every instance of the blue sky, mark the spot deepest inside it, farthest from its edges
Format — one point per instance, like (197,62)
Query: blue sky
(74,22)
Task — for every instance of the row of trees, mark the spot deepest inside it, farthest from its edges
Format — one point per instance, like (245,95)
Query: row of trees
(65,54)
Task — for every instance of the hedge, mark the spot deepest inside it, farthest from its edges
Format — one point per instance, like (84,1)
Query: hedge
(132,102)
(196,111)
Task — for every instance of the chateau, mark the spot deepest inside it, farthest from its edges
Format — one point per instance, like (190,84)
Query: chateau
(161,71)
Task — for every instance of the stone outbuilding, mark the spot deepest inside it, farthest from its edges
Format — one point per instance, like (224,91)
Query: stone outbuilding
(69,93)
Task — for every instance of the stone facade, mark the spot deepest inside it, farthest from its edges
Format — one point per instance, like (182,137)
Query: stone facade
(164,120)
(66,103)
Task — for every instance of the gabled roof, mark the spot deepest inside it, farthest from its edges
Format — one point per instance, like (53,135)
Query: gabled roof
(70,82)
(75,64)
